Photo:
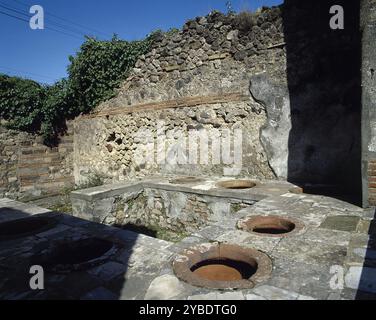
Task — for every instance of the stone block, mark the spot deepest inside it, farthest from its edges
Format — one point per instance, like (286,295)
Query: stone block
(164,287)
(342,223)
(274,293)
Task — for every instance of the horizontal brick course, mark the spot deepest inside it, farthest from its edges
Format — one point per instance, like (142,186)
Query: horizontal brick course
(27,165)
(39,164)
(371,171)
(45,158)
(177,103)
(46,185)
(26,171)
(27,183)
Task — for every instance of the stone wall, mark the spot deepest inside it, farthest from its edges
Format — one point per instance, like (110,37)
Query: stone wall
(29,169)
(368,25)
(121,145)
(196,79)
(176,211)
(173,210)
(280,76)
(299,111)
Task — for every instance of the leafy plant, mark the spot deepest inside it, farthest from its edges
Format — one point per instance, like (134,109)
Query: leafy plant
(21,102)
(94,73)
(99,68)
(93,179)
(63,207)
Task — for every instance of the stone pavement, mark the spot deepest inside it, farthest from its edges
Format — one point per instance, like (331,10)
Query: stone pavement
(333,257)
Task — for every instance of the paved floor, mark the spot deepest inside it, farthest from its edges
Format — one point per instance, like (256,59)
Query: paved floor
(334,257)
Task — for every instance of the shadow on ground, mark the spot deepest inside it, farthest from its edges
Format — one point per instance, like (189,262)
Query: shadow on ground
(367,277)
(99,279)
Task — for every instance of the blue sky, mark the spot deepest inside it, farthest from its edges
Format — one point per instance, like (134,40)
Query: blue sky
(42,55)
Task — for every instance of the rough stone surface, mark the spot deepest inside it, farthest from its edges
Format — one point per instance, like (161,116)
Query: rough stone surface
(164,288)
(302,263)
(189,64)
(272,293)
(29,169)
(272,75)
(368,22)
(291,129)
(218,296)
(140,148)
(275,133)
(286,89)
(342,223)
(159,203)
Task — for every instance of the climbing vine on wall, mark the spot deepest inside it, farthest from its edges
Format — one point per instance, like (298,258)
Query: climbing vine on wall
(93,75)
(99,67)
(21,102)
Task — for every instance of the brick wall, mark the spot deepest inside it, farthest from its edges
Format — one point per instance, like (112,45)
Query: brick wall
(368,27)
(29,169)
(372,182)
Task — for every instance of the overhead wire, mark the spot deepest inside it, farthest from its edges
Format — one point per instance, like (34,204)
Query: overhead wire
(27,73)
(86,29)
(27,21)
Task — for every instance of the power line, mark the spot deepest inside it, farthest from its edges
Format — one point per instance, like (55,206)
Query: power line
(48,28)
(15,17)
(23,16)
(69,21)
(13,10)
(28,16)
(26,72)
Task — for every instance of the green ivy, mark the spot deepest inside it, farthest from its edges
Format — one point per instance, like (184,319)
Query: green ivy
(99,68)
(21,102)
(94,73)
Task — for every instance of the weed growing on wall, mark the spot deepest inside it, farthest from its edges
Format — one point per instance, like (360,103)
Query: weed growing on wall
(93,179)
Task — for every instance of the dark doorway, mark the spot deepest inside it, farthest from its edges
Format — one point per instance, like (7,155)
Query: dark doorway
(324,82)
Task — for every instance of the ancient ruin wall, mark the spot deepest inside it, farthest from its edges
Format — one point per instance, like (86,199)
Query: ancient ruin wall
(284,77)
(289,82)
(29,169)
(195,79)
(368,23)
